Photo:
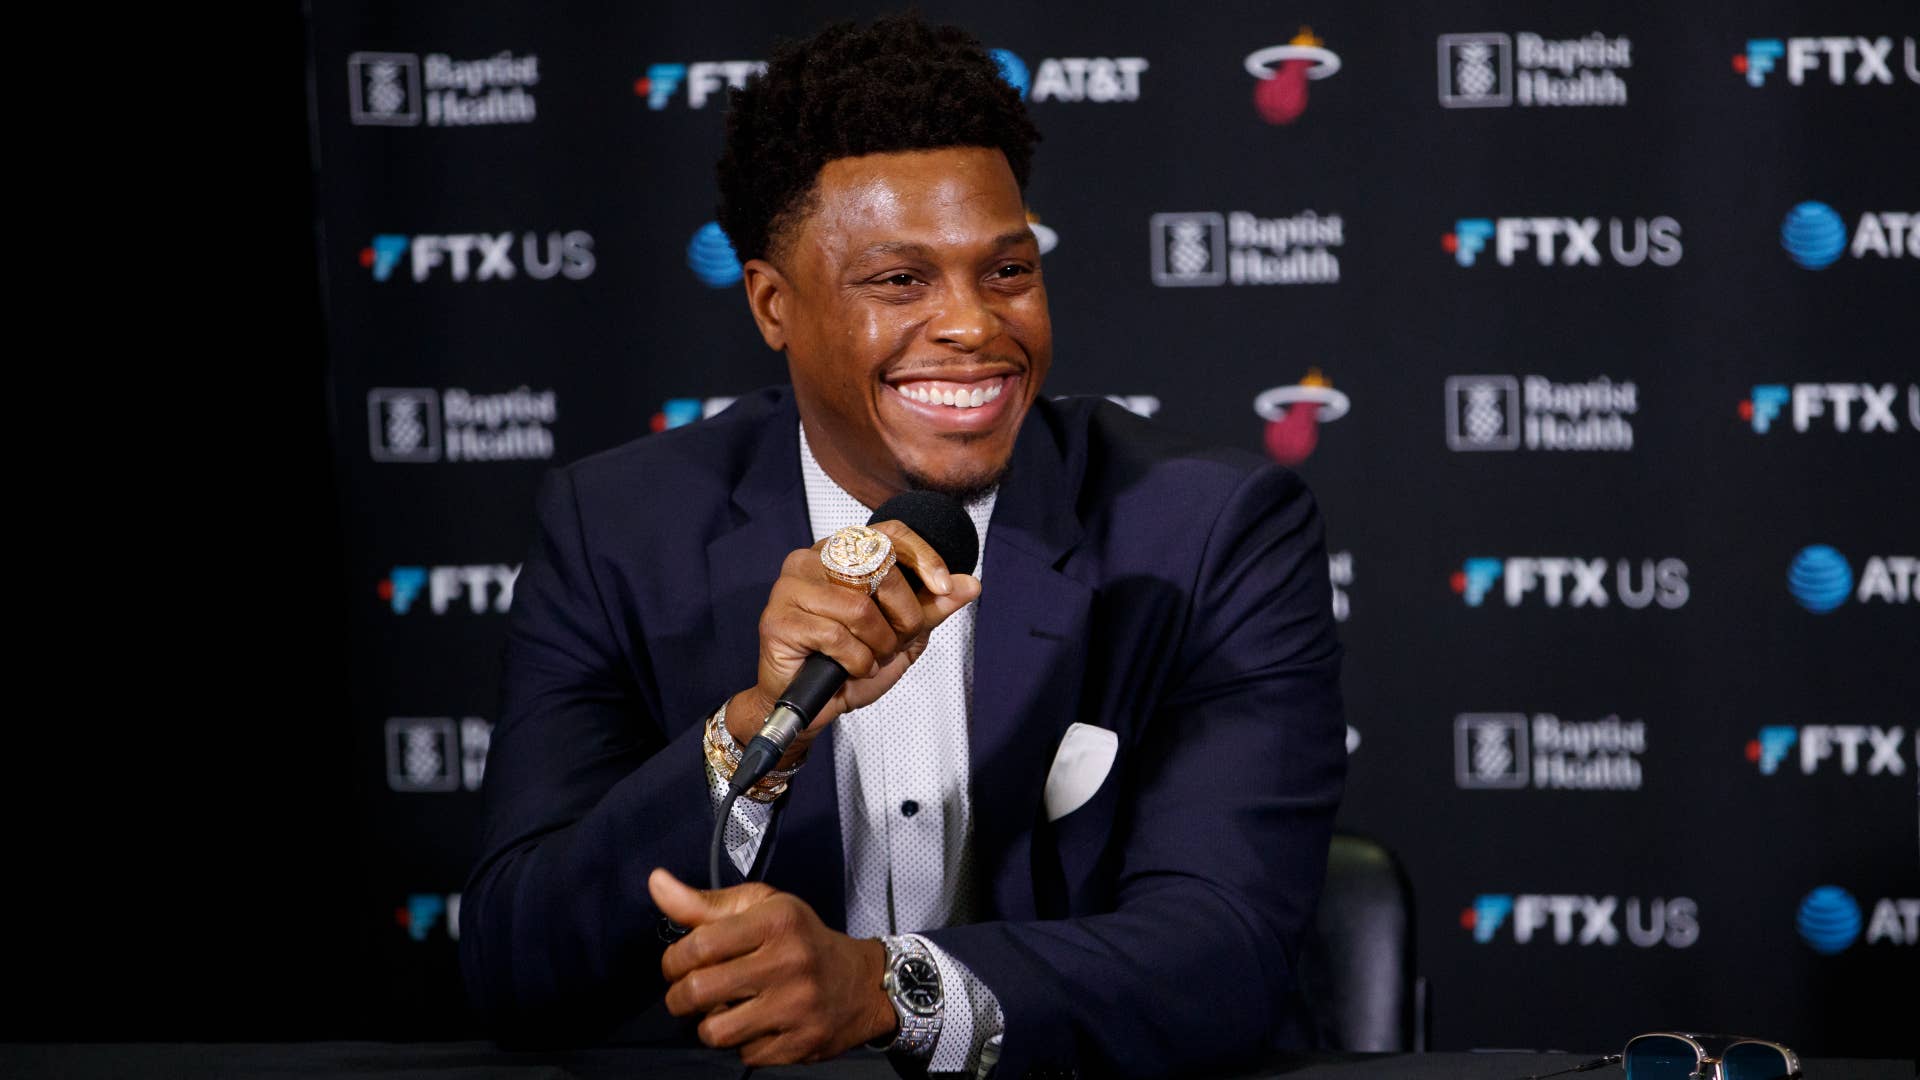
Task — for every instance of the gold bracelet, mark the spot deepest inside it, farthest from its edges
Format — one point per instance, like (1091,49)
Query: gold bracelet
(724,760)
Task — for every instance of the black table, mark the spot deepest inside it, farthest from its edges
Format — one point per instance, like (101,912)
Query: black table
(483,1061)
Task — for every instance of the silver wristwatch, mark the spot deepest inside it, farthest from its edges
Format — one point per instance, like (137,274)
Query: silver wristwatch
(912,983)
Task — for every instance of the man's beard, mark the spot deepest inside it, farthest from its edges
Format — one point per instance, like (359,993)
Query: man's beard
(966,489)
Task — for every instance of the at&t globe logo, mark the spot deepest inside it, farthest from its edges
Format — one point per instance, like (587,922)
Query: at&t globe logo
(1813,235)
(711,258)
(1829,920)
(1820,578)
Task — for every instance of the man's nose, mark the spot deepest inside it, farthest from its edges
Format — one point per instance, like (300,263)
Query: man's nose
(967,322)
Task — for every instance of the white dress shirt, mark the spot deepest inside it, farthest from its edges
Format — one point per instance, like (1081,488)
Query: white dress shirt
(906,808)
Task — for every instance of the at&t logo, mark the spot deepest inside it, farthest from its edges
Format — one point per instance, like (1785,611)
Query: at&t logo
(1829,921)
(1821,579)
(1283,71)
(1815,236)
(1565,241)
(481,256)
(1294,415)
(1584,920)
(1839,743)
(486,587)
(1835,402)
(1573,582)
(711,258)
(1098,79)
(1838,61)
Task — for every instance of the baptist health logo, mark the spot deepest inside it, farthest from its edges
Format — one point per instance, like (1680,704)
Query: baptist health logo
(1573,582)
(1815,236)
(420,425)
(1511,750)
(1673,922)
(1565,241)
(1839,743)
(1843,59)
(1293,415)
(1099,79)
(1829,920)
(1477,70)
(486,587)
(481,256)
(1821,579)
(1282,73)
(388,89)
(435,754)
(1239,248)
(1490,412)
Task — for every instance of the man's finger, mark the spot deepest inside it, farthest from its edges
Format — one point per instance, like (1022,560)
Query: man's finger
(918,554)
(705,989)
(751,1019)
(722,940)
(965,589)
(689,906)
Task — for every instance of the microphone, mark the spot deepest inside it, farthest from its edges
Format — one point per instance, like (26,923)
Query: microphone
(945,525)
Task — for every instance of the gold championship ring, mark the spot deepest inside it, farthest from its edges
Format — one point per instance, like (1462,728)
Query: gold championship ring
(858,557)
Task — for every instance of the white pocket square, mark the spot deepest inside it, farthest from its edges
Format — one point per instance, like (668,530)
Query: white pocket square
(1080,766)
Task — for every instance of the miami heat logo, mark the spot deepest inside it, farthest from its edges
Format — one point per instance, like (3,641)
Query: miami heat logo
(1284,70)
(1294,415)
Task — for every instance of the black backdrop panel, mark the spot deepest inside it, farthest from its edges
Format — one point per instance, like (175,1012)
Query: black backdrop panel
(1592,327)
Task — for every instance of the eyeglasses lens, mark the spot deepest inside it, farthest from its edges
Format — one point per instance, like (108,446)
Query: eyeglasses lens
(1659,1057)
(1754,1061)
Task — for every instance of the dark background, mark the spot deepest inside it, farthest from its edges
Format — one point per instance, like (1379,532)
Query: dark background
(244,879)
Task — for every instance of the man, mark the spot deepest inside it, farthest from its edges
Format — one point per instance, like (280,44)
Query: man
(1078,825)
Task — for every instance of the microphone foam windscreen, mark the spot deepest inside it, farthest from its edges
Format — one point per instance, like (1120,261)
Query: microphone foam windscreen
(939,520)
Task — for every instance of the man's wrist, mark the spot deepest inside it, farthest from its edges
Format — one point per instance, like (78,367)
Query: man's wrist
(883,1024)
(747,713)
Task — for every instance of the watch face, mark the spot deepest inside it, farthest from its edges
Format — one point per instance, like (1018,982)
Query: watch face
(919,984)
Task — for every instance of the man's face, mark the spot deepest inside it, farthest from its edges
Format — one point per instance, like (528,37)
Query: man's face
(915,320)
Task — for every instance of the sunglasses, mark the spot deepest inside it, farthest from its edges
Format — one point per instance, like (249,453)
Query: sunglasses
(1673,1055)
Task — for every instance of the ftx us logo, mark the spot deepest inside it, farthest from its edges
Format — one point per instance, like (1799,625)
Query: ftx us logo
(1819,743)
(1584,920)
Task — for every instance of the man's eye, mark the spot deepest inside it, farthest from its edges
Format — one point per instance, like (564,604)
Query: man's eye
(901,280)
(1011,270)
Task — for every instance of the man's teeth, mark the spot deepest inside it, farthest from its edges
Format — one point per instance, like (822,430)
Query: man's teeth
(959,397)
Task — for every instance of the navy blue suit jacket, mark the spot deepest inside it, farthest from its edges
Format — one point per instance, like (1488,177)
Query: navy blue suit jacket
(1177,596)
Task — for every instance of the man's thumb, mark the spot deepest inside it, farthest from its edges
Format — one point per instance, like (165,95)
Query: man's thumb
(691,907)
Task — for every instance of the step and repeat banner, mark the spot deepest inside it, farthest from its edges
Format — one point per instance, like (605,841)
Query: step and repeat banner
(1593,327)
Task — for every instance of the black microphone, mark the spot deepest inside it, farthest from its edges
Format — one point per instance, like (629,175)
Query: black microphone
(945,525)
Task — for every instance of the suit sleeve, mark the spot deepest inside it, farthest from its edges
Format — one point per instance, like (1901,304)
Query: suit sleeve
(1235,782)
(585,794)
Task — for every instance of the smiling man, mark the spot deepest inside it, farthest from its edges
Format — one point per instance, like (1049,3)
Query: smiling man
(1068,813)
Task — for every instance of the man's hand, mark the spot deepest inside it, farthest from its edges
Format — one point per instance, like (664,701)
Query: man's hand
(874,638)
(769,975)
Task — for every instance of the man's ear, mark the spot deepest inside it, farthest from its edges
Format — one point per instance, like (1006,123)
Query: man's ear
(770,298)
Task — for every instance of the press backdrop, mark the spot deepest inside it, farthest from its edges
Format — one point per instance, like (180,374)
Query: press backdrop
(1592,326)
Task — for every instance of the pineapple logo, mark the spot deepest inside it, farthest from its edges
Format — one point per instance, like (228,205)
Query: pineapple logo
(383,88)
(1476,70)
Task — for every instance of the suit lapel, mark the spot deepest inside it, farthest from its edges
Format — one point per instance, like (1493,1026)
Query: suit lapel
(742,565)
(1030,634)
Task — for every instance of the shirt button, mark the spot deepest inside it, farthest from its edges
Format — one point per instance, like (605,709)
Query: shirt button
(909,808)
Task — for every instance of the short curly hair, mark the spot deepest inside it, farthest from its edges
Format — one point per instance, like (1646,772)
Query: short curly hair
(897,84)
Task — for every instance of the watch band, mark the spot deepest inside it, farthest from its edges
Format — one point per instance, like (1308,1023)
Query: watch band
(919,1027)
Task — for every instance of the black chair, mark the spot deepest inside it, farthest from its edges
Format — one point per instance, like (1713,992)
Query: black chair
(1358,969)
